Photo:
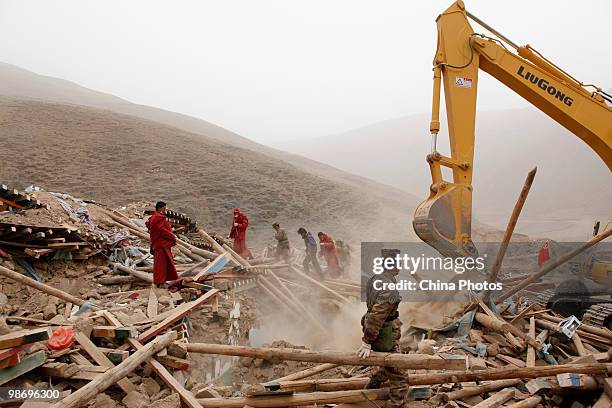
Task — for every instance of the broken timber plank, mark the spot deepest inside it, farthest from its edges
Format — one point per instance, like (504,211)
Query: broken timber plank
(309,372)
(22,337)
(27,364)
(507,373)
(174,362)
(531,351)
(497,399)
(469,391)
(320,285)
(213,267)
(326,385)
(407,361)
(152,304)
(113,375)
(100,358)
(177,314)
(315,398)
(112,332)
(187,397)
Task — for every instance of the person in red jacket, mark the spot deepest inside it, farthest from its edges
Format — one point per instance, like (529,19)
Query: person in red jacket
(329,251)
(238,234)
(162,241)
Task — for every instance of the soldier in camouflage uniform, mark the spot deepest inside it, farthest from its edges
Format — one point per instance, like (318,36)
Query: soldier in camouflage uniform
(382,331)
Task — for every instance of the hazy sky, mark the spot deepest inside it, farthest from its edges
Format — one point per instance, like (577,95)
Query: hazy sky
(281,69)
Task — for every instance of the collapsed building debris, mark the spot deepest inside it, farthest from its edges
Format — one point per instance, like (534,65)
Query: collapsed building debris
(90,326)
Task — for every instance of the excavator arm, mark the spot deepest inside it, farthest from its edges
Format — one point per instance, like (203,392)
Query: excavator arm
(443,220)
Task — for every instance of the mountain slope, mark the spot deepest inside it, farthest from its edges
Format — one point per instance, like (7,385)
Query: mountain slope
(569,192)
(20,83)
(117,159)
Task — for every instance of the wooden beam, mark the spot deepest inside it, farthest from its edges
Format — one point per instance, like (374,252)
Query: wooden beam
(407,361)
(152,304)
(100,358)
(516,212)
(16,276)
(507,373)
(315,398)
(174,362)
(497,399)
(27,364)
(320,285)
(326,385)
(22,337)
(530,402)
(113,375)
(531,351)
(309,372)
(177,314)
(469,391)
(112,332)
(213,267)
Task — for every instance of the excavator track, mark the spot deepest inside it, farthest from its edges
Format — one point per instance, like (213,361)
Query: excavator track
(597,315)
(544,297)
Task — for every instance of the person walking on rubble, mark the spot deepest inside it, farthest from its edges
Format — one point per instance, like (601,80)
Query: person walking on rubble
(282,248)
(382,330)
(162,241)
(330,253)
(311,253)
(238,234)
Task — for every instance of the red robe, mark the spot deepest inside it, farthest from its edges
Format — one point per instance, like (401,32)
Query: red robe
(329,251)
(162,241)
(238,234)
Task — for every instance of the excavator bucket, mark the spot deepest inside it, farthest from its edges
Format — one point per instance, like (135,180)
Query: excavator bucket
(443,221)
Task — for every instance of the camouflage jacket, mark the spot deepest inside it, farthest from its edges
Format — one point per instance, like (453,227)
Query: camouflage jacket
(382,306)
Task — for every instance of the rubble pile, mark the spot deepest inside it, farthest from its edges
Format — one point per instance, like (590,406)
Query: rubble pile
(80,322)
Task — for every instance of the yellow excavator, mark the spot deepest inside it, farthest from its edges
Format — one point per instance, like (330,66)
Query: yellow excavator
(444,219)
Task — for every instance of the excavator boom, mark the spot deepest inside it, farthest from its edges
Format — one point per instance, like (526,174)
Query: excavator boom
(443,220)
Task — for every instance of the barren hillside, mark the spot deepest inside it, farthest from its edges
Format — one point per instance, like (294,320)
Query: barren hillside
(18,82)
(116,159)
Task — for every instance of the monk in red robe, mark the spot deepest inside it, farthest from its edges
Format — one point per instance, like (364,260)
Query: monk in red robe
(162,241)
(329,251)
(238,234)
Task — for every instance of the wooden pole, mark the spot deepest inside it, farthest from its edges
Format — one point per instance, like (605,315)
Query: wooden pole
(319,284)
(599,331)
(309,372)
(516,212)
(530,402)
(496,399)
(281,295)
(531,351)
(188,398)
(334,384)
(110,377)
(507,373)
(313,320)
(470,391)
(504,327)
(408,361)
(144,276)
(192,268)
(16,276)
(532,278)
(318,398)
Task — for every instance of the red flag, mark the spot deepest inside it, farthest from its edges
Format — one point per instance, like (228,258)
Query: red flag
(544,254)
